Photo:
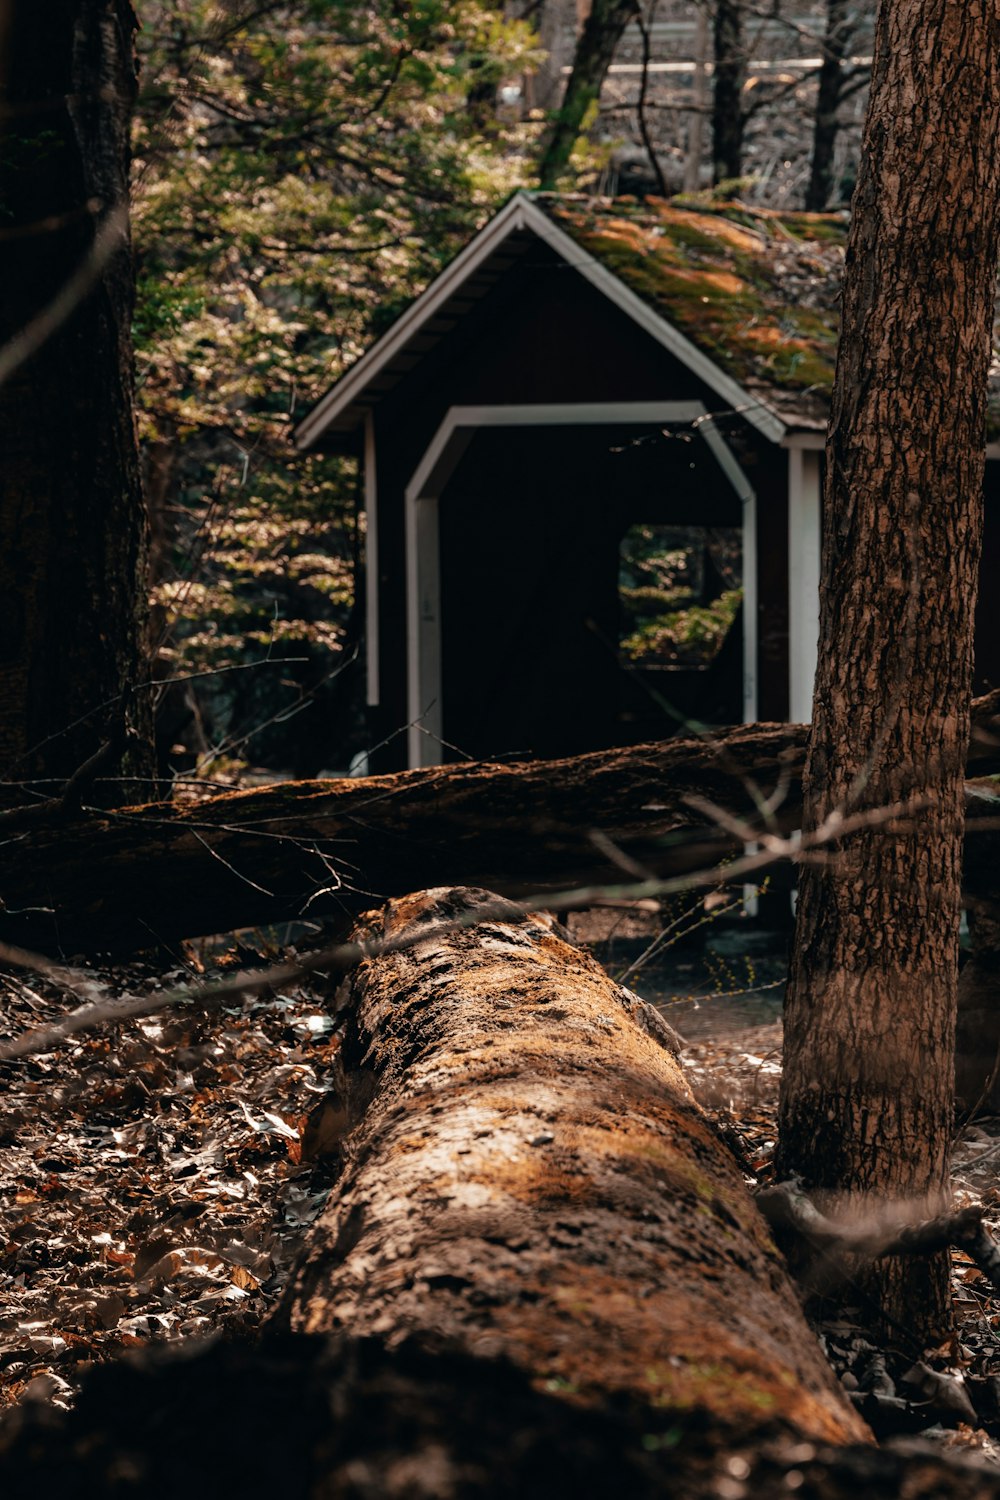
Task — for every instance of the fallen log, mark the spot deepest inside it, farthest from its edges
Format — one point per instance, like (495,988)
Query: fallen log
(128,879)
(309,1419)
(554,1281)
(120,880)
(529,1179)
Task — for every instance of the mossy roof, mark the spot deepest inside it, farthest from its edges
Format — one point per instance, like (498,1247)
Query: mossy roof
(755,290)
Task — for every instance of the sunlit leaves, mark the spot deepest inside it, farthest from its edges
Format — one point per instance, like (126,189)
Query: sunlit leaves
(301,171)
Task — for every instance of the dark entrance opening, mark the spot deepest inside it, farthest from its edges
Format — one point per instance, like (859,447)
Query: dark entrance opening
(540,646)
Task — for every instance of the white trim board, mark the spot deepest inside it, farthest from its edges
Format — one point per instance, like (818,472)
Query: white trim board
(804,542)
(816,442)
(425,711)
(519,214)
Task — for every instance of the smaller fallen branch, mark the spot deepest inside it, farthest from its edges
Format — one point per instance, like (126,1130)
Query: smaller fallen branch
(790,1211)
(341,957)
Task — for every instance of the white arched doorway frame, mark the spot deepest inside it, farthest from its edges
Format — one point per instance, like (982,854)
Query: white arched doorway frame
(425,713)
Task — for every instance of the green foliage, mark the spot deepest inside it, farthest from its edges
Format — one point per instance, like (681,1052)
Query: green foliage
(302,169)
(688,637)
(665,619)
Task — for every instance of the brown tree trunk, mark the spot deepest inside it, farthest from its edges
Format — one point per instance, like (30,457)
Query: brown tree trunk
(837,39)
(870,1016)
(601,33)
(72,525)
(727,101)
(528,1178)
(141,876)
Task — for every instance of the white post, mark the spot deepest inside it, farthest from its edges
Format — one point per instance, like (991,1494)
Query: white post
(804,541)
(423,604)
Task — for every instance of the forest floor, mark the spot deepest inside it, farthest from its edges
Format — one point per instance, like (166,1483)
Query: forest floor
(159,1175)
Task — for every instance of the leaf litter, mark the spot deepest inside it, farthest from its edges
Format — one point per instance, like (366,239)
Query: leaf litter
(732,1057)
(159,1176)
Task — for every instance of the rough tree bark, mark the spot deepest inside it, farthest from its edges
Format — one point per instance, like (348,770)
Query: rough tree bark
(117,881)
(72,524)
(728,119)
(870,1015)
(601,32)
(555,1281)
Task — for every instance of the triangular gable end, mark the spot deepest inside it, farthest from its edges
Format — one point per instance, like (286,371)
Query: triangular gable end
(468,275)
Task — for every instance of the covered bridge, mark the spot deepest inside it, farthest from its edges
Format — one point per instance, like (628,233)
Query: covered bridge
(592,457)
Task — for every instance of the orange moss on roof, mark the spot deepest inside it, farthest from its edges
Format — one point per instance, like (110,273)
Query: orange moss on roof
(755,290)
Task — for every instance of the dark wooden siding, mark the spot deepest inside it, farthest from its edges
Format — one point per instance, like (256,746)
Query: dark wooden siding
(987,609)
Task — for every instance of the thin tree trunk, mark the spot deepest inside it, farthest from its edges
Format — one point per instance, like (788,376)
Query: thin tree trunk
(72,524)
(838,37)
(699,102)
(600,36)
(727,103)
(528,1178)
(870,1017)
(645,24)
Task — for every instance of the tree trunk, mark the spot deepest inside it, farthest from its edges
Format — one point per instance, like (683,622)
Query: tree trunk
(870,1015)
(72,525)
(600,36)
(529,1178)
(117,882)
(727,103)
(838,37)
(699,101)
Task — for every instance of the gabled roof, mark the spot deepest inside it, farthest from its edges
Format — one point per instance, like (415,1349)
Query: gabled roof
(746,298)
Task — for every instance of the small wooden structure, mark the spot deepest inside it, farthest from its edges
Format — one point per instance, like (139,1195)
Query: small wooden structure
(586,373)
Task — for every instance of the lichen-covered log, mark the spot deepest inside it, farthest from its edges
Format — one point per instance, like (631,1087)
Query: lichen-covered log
(528,1178)
(120,881)
(550,1278)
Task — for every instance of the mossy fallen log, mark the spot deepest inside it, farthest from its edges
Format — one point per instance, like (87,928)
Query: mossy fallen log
(529,1178)
(118,881)
(310,1419)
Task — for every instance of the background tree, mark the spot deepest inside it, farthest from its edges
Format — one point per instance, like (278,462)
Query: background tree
(595,49)
(870,1016)
(836,81)
(72,522)
(730,77)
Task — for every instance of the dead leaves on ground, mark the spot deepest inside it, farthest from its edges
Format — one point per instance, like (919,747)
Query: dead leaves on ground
(157,1180)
